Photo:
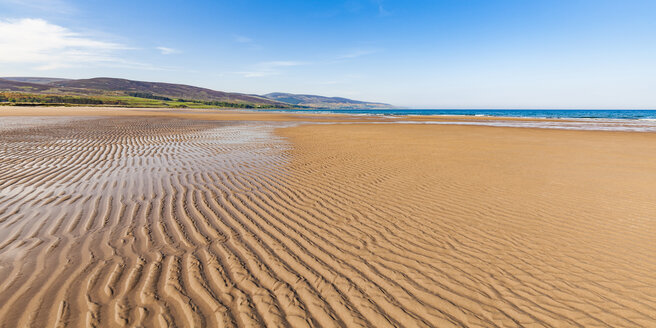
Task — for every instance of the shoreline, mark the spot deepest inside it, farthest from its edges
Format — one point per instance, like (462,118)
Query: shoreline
(591,124)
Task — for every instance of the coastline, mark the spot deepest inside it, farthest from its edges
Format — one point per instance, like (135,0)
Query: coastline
(239,218)
(592,124)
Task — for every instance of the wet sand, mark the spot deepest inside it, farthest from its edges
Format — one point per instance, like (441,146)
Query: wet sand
(166,218)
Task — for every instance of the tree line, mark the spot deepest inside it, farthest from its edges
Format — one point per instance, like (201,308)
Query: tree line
(148,95)
(53,99)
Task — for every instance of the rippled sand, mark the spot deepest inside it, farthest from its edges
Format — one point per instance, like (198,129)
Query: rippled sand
(168,219)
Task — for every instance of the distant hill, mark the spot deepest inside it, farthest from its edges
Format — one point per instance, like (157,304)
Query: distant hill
(161,89)
(37,80)
(9,85)
(325,102)
(164,94)
(122,92)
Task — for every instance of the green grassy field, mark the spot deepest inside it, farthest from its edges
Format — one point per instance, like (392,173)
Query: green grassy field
(33,99)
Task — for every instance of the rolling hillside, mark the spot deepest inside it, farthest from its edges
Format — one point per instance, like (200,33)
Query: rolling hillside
(8,85)
(161,89)
(122,92)
(37,80)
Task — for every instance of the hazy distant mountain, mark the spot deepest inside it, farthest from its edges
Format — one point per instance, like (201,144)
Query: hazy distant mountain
(325,102)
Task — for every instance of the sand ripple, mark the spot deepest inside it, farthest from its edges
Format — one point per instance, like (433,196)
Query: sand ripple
(140,222)
(168,222)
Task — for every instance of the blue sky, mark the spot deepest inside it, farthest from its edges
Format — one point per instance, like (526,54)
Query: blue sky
(427,54)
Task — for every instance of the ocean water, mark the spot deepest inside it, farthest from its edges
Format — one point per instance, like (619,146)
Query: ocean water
(607,120)
(527,113)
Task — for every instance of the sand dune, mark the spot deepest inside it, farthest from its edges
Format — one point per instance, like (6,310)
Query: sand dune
(159,220)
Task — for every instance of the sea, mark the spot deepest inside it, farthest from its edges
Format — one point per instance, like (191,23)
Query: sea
(625,114)
(602,119)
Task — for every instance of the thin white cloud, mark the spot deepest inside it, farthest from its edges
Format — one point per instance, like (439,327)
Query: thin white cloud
(168,51)
(357,53)
(257,73)
(288,63)
(49,46)
(243,39)
(49,6)
(381,9)
(270,68)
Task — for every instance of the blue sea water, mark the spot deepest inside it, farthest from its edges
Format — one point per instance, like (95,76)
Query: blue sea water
(528,113)
(607,120)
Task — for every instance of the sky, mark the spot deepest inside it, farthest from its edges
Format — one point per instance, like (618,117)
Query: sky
(452,54)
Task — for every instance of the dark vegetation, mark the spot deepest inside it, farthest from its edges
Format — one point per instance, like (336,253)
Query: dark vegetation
(148,96)
(27,98)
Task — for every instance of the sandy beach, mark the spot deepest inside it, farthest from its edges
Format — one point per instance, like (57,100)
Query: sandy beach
(143,218)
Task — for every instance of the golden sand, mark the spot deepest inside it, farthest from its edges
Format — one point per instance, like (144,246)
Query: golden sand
(117,218)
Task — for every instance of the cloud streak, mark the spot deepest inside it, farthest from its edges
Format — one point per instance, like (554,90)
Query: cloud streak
(49,46)
(242,39)
(270,68)
(167,51)
(381,9)
(49,6)
(357,53)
